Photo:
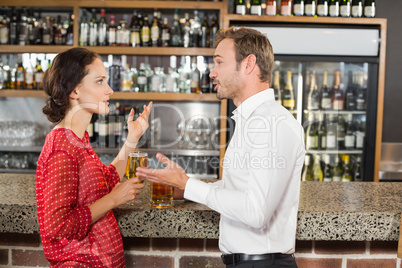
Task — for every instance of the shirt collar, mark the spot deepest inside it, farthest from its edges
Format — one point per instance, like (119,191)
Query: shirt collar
(249,105)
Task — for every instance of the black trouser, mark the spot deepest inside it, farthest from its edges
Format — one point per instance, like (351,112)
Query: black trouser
(288,262)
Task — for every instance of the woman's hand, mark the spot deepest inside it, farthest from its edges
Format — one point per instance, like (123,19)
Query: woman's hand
(125,191)
(138,127)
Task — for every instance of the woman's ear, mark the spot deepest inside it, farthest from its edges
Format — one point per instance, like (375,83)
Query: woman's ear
(74,94)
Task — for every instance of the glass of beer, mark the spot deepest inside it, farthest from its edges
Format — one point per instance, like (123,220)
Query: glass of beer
(135,159)
(161,195)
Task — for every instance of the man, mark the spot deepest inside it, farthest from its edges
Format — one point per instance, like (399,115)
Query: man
(258,195)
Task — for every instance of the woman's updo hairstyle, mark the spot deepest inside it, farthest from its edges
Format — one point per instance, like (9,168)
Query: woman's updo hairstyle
(63,76)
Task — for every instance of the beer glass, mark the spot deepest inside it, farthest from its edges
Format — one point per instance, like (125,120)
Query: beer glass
(135,159)
(161,195)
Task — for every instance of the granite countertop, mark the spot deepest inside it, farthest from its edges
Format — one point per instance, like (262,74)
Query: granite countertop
(359,211)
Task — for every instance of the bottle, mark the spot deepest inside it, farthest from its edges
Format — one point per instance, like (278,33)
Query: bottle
(186,31)
(165,33)
(102,29)
(155,33)
(31,21)
(341,133)
(357,8)
(13,28)
(47,33)
(240,7)
(196,30)
(118,125)
(361,92)
(255,7)
(317,171)
(20,75)
(157,80)
(123,35)
(334,8)
(29,76)
(111,118)
(357,170)
(307,169)
(70,31)
(134,75)
(350,100)
(176,32)
(309,8)
(90,129)
(360,135)
(112,32)
(369,8)
(338,99)
(337,171)
(322,132)
(184,76)
(350,134)
(298,7)
(195,77)
(126,76)
(23,30)
(345,8)
(286,8)
(347,174)
(277,87)
(326,100)
(322,8)
(327,173)
(84,29)
(93,30)
(311,134)
(205,33)
(3,75)
(313,99)
(214,30)
(288,100)
(331,133)
(172,76)
(142,79)
(135,39)
(38,75)
(4,30)
(103,131)
(205,80)
(271,8)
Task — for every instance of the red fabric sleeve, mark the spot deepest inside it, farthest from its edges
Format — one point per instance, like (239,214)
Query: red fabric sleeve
(111,175)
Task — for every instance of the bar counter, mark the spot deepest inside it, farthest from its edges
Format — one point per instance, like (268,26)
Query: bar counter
(356,211)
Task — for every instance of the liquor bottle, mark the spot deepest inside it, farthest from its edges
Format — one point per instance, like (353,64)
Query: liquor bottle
(70,31)
(13,28)
(90,129)
(145,34)
(341,133)
(286,8)
(317,171)
(360,135)
(118,125)
(255,7)
(84,29)
(240,7)
(196,30)
(307,169)
(298,7)
(337,170)
(111,118)
(93,30)
(29,76)
(126,76)
(114,76)
(23,30)
(172,80)
(195,77)
(155,33)
(277,87)
(4,30)
(313,100)
(205,33)
(288,100)
(38,75)
(205,80)
(322,8)
(214,30)
(311,134)
(334,8)
(350,135)
(357,8)
(357,170)
(3,75)
(112,31)
(31,21)
(331,133)
(142,79)
(361,92)
(347,174)
(369,8)
(165,33)
(134,75)
(103,131)
(184,76)
(102,33)
(338,99)
(350,99)
(326,100)
(309,8)
(176,32)
(156,80)
(186,31)
(8,73)
(135,37)
(322,132)
(345,8)
(123,35)
(327,173)
(20,75)
(271,9)
(46,32)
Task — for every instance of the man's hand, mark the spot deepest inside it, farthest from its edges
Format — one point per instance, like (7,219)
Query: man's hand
(172,175)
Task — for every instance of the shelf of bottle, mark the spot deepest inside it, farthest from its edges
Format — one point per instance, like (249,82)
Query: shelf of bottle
(153,51)
(168,152)
(334,112)
(334,151)
(148,96)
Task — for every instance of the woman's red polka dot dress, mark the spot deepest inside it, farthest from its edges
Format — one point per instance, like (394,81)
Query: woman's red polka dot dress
(69,178)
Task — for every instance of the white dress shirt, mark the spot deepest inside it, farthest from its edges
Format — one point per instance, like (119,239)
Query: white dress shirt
(258,195)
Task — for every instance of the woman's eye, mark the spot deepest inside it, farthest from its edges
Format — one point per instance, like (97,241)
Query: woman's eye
(100,82)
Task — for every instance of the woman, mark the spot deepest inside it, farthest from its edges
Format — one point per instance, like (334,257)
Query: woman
(75,192)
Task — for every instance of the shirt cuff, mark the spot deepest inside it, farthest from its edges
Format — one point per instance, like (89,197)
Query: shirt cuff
(197,191)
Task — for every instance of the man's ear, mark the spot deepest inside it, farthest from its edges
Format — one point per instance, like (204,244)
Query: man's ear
(74,94)
(251,62)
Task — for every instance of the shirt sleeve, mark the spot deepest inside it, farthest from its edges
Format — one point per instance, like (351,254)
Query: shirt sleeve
(64,219)
(111,175)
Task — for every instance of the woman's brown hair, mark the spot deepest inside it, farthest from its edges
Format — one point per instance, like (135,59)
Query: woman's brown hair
(63,76)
